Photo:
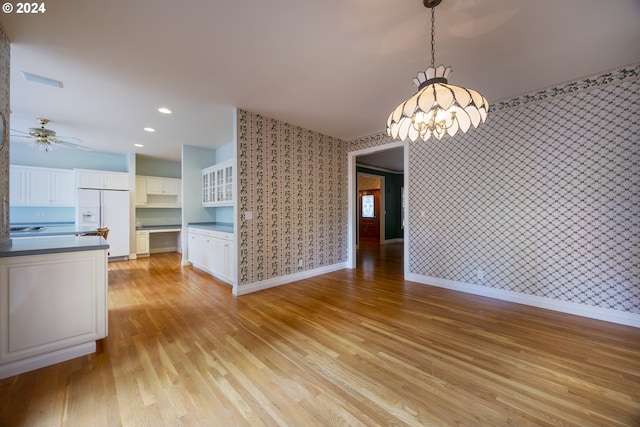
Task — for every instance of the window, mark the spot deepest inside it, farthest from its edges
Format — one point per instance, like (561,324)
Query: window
(368,210)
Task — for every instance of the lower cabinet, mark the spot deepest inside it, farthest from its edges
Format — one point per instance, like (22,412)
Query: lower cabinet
(213,252)
(47,314)
(142,243)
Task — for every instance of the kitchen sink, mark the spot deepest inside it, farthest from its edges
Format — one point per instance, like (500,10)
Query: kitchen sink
(25,229)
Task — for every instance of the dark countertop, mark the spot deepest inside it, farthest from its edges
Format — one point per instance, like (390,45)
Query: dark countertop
(51,245)
(225,227)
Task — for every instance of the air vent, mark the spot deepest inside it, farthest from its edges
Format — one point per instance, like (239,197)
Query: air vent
(43,80)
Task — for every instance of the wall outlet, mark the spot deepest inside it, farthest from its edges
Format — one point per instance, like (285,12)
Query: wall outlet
(248,215)
(299,263)
(480,274)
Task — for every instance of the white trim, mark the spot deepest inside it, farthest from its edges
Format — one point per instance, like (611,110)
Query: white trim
(608,315)
(37,362)
(282,280)
(352,181)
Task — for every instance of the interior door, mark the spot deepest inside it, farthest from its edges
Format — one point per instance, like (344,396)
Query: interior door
(369,215)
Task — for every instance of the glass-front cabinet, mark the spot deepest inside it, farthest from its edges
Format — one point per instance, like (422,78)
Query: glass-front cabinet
(217,185)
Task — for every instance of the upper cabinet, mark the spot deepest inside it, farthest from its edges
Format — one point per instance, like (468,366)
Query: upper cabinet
(217,185)
(102,180)
(34,186)
(158,192)
(163,186)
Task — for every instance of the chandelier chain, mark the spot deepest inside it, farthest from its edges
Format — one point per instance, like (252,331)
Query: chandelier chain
(433,37)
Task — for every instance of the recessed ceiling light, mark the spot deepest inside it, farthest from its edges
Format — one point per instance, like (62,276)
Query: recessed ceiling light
(150,129)
(139,145)
(164,110)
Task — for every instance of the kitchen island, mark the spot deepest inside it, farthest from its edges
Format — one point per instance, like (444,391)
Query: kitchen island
(53,300)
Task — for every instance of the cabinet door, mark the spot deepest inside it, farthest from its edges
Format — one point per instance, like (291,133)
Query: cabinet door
(89,179)
(17,185)
(116,181)
(155,185)
(141,191)
(170,186)
(142,242)
(38,187)
(205,188)
(63,192)
(229,270)
(228,183)
(197,250)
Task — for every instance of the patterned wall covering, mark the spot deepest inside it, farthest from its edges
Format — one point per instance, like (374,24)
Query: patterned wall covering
(544,197)
(294,181)
(4,152)
(368,183)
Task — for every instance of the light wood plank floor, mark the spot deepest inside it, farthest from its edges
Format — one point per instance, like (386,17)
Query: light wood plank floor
(355,347)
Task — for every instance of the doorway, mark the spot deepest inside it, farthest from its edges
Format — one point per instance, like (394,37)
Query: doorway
(369,216)
(367,158)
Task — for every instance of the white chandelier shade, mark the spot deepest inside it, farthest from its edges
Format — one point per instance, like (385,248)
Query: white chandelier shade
(438,108)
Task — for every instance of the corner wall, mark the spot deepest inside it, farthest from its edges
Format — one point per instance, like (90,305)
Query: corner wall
(294,182)
(4,150)
(544,199)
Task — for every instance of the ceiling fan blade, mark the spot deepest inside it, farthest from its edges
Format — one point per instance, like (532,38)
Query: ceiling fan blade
(20,131)
(70,137)
(68,144)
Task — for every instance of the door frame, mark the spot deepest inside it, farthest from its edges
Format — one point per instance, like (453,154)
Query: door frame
(381,201)
(353,192)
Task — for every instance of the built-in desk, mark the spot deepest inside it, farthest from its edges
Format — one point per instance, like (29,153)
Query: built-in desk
(158,238)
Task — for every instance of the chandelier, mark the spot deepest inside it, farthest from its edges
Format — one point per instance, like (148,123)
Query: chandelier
(438,108)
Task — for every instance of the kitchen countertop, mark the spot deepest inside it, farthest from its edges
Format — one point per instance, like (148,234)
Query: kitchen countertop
(226,227)
(51,245)
(159,228)
(50,229)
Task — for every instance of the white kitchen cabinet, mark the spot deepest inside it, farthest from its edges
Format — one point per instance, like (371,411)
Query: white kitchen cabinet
(158,192)
(217,185)
(47,313)
(141,191)
(17,185)
(142,242)
(101,180)
(213,252)
(35,186)
(165,186)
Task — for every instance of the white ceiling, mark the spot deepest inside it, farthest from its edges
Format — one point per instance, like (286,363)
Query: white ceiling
(334,66)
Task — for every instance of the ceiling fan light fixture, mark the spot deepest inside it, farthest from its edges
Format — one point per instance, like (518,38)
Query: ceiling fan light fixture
(438,108)
(164,110)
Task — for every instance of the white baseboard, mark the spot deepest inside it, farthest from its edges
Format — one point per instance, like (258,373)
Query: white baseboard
(281,280)
(163,249)
(37,362)
(396,240)
(608,315)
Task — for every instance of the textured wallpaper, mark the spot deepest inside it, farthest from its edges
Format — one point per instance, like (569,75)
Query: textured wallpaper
(543,198)
(4,151)
(368,183)
(294,182)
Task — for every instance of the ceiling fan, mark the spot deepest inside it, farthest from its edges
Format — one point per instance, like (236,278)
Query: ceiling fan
(46,139)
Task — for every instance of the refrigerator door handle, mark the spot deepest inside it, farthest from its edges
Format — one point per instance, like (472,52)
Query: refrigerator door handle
(101,219)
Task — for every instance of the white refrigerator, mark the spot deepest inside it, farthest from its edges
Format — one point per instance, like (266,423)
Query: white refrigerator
(106,208)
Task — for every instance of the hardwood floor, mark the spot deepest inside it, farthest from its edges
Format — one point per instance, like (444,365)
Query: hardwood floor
(355,347)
